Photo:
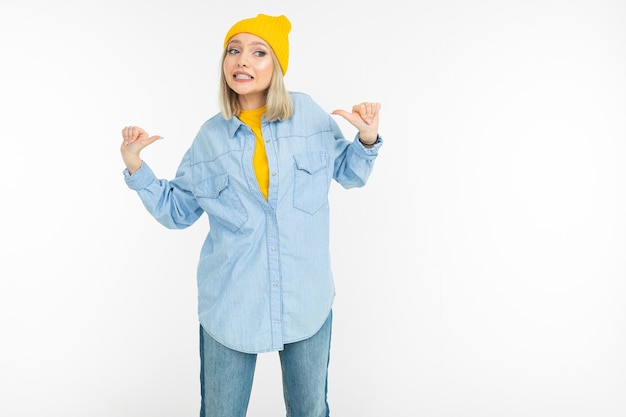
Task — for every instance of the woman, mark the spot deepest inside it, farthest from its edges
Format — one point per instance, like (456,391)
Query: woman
(261,170)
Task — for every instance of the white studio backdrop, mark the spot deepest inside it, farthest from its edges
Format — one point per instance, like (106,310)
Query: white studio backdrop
(479,273)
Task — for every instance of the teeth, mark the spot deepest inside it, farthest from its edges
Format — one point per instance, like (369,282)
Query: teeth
(243,76)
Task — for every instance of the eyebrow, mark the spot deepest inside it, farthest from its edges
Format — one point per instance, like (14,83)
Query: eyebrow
(251,43)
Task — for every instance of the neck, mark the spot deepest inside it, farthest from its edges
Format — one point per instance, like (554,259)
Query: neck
(251,101)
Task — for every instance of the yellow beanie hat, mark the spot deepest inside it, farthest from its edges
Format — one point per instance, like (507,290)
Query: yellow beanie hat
(272,29)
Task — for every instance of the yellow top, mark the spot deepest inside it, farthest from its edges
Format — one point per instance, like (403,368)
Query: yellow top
(252,118)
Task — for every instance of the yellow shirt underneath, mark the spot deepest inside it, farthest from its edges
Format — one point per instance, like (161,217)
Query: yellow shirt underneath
(252,118)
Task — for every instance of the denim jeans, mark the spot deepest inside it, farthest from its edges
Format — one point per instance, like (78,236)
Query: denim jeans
(226,376)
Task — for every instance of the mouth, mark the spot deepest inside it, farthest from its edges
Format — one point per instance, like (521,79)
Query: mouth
(240,76)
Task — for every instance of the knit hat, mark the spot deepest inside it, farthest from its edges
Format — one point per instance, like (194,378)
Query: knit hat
(272,29)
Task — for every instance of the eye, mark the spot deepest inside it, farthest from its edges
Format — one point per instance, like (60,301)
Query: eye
(260,53)
(233,51)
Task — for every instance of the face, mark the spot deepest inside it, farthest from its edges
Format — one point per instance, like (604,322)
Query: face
(248,68)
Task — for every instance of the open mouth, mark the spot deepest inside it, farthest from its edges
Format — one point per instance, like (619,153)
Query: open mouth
(242,77)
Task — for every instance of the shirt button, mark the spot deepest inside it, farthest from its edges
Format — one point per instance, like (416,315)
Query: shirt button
(267,141)
(276,322)
(273,174)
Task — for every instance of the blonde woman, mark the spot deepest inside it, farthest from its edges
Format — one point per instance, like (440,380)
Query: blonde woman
(261,170)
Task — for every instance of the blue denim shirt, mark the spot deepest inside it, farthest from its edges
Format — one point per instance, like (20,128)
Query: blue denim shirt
(264,274)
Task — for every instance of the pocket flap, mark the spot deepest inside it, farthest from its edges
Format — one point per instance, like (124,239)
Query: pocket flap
(311,162)
(211,187)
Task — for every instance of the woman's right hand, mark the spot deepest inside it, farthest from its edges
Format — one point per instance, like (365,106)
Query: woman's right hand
(135,139)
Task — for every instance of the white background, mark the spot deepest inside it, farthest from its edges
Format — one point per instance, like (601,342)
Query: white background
(480,272)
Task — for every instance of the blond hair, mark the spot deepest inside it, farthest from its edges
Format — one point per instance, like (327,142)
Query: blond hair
(278,101)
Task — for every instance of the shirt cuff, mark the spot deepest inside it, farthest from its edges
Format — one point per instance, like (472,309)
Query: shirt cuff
(372,151)
(140,178)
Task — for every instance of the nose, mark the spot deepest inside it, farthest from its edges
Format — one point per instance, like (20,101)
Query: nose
(242,62)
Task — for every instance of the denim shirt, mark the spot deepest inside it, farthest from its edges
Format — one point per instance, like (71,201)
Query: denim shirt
(264,274)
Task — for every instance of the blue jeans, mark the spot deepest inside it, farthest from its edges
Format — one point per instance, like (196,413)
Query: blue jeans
(226,376)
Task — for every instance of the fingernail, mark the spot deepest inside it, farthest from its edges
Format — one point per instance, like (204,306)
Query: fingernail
(161,137)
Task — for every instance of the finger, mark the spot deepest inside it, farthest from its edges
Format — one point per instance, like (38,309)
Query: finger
(126,135)
(368,113)
(372,110)
(130,134)
(376,108)
(365,112)
(135,134)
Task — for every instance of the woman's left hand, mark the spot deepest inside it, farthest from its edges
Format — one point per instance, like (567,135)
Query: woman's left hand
(364,117)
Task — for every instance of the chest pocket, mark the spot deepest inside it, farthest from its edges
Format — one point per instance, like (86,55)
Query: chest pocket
(311,181)
(216,196)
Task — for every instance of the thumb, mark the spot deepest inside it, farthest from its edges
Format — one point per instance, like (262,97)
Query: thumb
(341,113)
(143,142)
(153,139)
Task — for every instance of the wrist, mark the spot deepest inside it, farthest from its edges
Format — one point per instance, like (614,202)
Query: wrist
(368,142)
(133,165)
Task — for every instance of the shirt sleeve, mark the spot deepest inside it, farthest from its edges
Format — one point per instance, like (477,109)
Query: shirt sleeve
(353,162)
(171,203)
